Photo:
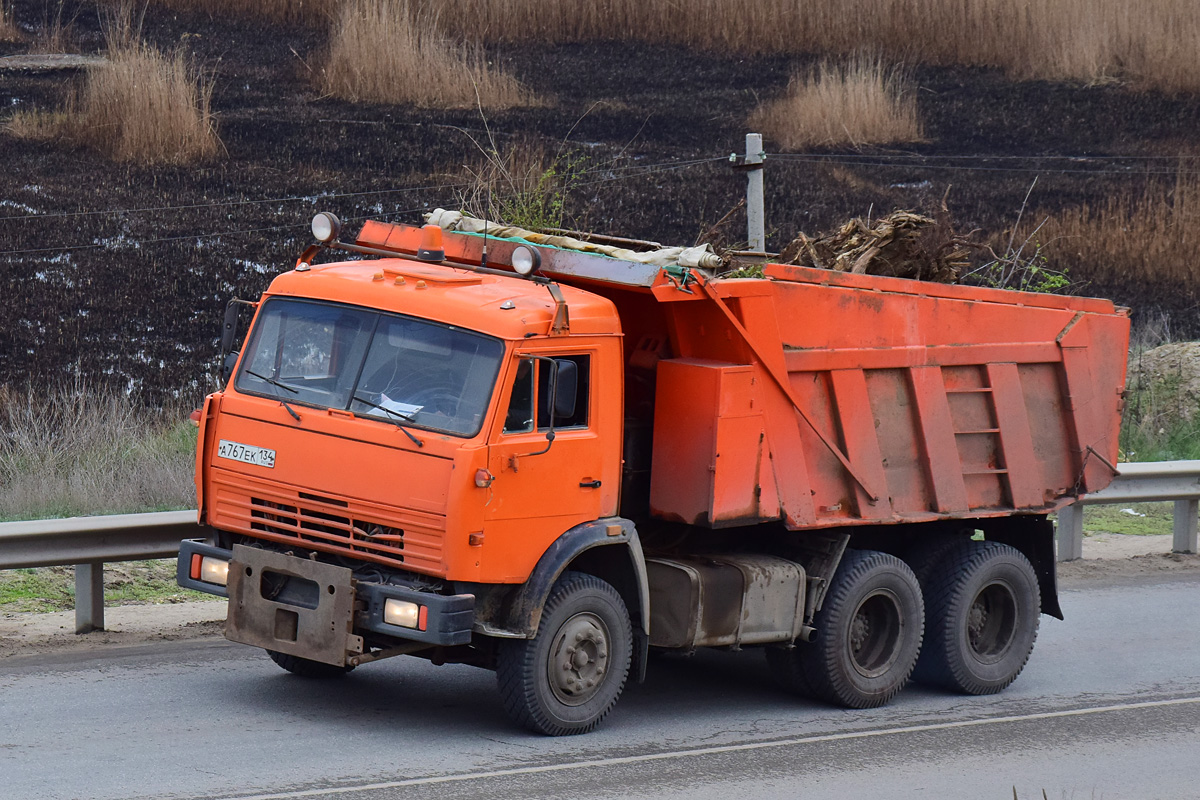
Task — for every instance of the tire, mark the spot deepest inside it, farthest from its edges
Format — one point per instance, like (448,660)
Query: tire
(983,607)
(927,555)
(307,668)
(569,676)
(868,632)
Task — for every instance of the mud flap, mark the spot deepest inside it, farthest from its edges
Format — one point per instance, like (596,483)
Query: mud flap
(291,605)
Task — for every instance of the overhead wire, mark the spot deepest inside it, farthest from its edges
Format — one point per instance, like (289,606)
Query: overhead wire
(135,243)
(1000,157)
(228,203)
(316,196)
(887,162)
(848,159)
(611,174)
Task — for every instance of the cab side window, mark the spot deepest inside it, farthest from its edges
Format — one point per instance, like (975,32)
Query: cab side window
(519,418)
(531,390)
(579,417)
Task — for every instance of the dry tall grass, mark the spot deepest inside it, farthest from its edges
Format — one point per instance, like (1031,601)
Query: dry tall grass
(861,102)
(1153,43)
(391,51)
(8,23)
(147,107)
(72,450)
(1151,238)
(141,106)
(55,33)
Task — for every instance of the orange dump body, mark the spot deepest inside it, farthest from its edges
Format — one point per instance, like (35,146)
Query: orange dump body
(826,399)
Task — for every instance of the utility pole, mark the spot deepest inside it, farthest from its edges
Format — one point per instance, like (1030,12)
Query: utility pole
(752,164)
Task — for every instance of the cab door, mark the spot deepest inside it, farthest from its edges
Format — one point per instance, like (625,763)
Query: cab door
(543,486)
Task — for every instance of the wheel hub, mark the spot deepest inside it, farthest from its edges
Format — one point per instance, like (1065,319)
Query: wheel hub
(578,659)
(874,634)
(992,622)
(976,620)
(860,630)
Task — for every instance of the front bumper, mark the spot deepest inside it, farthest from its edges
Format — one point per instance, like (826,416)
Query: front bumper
(316,610)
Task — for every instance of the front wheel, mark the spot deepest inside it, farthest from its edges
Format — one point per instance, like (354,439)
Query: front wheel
(868,633)
(569,676)
(983,608)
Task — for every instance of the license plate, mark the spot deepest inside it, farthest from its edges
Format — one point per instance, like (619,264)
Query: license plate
(246,453)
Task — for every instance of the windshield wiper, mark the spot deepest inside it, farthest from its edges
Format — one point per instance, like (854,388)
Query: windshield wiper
(281,385)
(392,413)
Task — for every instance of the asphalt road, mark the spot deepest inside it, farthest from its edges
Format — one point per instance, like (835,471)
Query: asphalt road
(1109,707)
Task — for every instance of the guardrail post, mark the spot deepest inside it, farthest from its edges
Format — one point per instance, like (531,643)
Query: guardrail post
(89,597)
(1185,526)
(1070,533)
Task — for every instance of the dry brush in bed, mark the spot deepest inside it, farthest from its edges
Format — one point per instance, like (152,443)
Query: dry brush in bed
(901,244)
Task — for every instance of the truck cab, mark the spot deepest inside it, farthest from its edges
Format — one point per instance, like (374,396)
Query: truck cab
(429,428)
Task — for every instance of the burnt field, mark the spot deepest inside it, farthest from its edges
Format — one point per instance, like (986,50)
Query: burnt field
(119,272)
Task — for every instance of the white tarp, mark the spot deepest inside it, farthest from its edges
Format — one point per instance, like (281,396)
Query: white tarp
(701,256)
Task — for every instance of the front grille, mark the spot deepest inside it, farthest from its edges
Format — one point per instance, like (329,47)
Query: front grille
(310,524)
(395,536)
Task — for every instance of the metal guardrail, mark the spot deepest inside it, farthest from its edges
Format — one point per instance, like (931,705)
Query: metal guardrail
(89,542)
(1151,481)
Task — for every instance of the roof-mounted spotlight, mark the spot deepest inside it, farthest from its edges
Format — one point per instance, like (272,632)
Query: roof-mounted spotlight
(326,227)
(526,261)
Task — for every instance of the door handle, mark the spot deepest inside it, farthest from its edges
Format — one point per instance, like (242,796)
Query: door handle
(589,484)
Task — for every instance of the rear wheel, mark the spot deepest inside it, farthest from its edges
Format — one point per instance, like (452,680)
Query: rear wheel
(569,676)
(927,555)
(868,634)
(983,609)
(307,668)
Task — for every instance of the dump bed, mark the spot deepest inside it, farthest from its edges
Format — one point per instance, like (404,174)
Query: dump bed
(826,398)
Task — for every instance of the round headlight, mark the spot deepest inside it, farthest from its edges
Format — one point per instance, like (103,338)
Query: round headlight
(326,227)
(526,261)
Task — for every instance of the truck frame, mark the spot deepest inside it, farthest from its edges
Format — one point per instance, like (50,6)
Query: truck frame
(546,462)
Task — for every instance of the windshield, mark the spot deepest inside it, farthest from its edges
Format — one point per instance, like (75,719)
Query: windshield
(412,372)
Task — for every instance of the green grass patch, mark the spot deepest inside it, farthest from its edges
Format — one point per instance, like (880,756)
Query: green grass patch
(1146,519)
(128,583)
(1161,421)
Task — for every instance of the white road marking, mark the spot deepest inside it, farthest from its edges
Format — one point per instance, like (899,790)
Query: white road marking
(728,748)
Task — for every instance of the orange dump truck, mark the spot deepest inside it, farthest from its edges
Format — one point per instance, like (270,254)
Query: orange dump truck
(545,462)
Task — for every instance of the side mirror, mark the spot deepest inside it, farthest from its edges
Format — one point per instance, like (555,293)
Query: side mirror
(228,365)
(229,329)
(566,387)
